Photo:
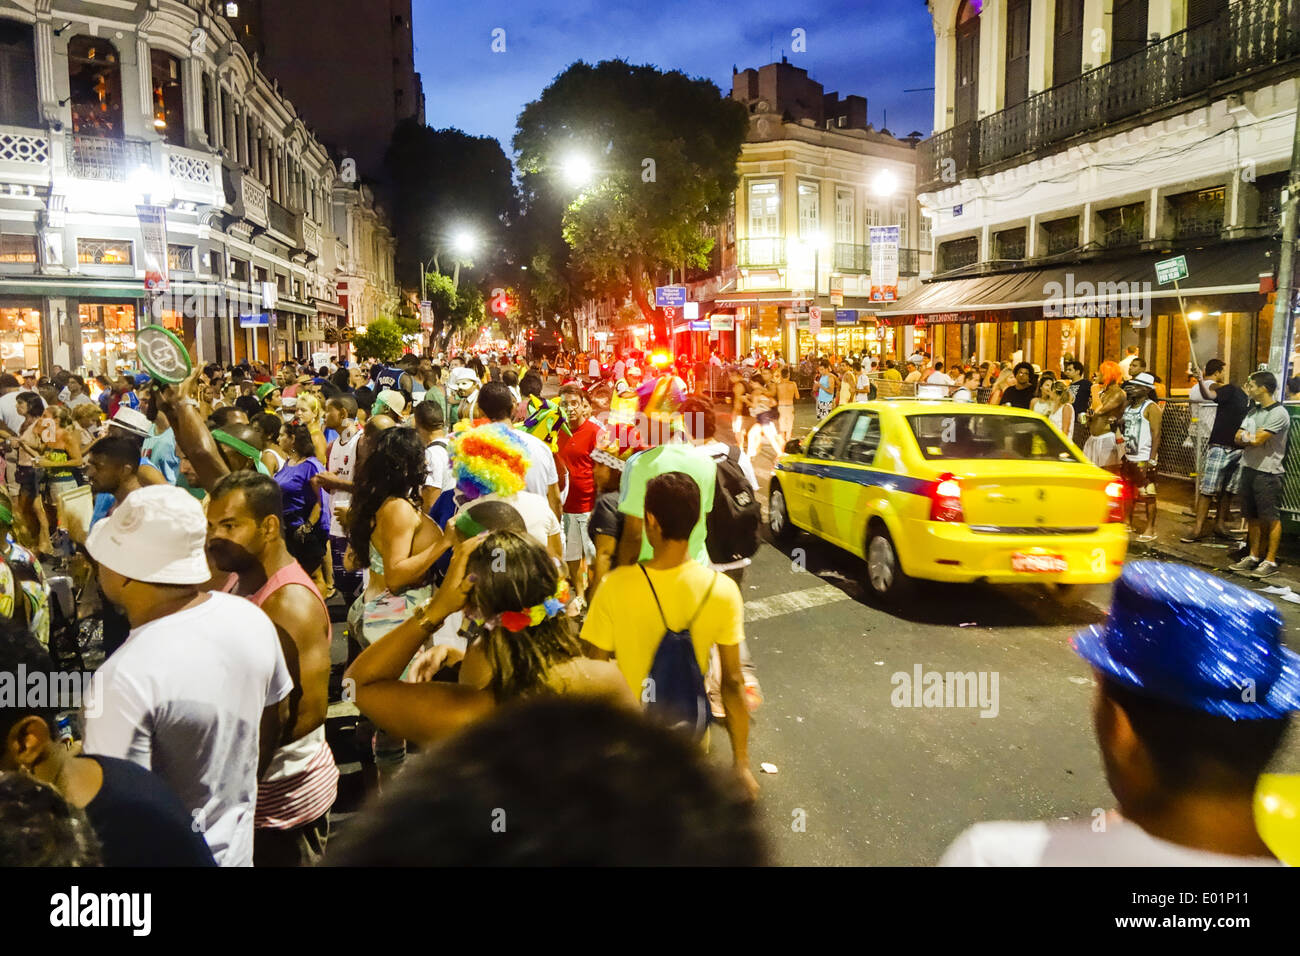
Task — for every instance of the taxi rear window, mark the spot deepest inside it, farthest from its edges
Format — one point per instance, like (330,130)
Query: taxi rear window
(970,436)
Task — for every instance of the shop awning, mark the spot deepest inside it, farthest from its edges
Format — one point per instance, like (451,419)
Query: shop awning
(329,308)
(297,308)
(1225,269)
(81,288)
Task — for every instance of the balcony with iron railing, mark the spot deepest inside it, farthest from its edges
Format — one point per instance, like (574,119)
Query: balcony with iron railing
(766,252)
(1246,37)
(104,159)
(1197,223)
(851,257)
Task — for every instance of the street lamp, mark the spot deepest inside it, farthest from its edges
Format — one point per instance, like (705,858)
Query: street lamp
(885,184)
(464,243)
(577,170)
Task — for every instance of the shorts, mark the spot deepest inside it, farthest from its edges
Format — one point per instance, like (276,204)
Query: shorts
(1101,450)
(824,408)
(1140,477)
(1261,495)
(1220,466)
(27,482)
(577,544)
(766,418)
(785,419)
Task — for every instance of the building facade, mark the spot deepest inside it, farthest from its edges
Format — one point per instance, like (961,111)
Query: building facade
(351,72)
(118,106)
(815,178)
(1080,142)
(364,256)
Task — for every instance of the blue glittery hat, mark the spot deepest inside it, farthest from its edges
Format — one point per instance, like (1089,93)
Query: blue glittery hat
(1190,638)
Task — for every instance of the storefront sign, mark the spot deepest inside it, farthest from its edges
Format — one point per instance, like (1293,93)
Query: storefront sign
(846,316)
(700,325)
(722,323)
(153,247)
(884,263)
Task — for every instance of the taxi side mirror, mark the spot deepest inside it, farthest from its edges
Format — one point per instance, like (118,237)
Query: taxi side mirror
(794,446)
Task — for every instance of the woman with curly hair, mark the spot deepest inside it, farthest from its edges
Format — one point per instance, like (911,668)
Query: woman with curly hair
(523,644)
(390,531)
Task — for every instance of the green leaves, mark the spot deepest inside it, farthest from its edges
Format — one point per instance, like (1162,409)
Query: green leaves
(381,340)
(664,147)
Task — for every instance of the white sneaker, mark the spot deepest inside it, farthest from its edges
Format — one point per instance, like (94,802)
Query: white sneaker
(1248,563)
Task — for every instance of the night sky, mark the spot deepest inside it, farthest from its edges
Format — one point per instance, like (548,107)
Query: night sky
(874,48)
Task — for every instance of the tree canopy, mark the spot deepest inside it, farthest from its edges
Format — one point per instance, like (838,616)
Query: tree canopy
(664,149)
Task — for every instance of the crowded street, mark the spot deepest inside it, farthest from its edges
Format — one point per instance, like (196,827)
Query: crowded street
(432,442)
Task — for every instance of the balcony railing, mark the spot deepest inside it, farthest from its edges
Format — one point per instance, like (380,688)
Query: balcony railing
(1198,225)
(851,257)
(1246,36)
(1118,237)
(909,262)
(106,160)
(286,224)
(769,252)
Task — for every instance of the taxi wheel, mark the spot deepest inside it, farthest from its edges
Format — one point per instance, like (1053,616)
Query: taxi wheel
(885,574)
(778,518)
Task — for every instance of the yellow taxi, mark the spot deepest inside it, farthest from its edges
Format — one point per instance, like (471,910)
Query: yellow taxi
(951,491)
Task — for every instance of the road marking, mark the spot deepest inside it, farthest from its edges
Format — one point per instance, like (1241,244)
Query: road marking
(788,603)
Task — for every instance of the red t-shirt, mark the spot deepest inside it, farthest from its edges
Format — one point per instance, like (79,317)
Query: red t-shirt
(575,455)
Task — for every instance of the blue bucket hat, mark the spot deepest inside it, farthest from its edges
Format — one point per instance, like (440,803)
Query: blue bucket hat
(1190,638)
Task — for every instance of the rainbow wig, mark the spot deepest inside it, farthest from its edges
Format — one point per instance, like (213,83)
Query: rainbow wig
(489,460)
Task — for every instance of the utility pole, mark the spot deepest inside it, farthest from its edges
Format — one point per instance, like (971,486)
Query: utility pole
(1283,336)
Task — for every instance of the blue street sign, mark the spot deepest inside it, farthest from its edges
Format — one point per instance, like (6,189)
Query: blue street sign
(956,210)
(673,296)
(700,325)
(258,320)
(846,316)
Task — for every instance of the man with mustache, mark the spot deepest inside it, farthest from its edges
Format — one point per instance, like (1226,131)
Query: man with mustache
(295,793)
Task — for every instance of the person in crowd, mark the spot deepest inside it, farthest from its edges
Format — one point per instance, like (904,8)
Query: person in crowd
(32,409)
(827,388)
(58,454)
(1061,412)
(762,402)
(311,413)
(113,472)
(163,705)
(1137,367)
(76,393)
(1140,434)
(1043,403)
(576,443)
(1021,391)
(336,480)
(1000,380)
(495,403)
(633,607)
(305,520)
(438,479)
(1182,753)
(490,463)
(246,538)
(524,642)
(582,783)
(137,819)
(606,525)
(270,426)
(1130,354)
(1292,388)
(1263,440)
(39,828)
(1108,401)
(1080,398)
(1222,455)
(938,376)
(787,393)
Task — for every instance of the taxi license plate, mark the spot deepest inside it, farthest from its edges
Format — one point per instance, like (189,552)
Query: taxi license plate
(1047,563)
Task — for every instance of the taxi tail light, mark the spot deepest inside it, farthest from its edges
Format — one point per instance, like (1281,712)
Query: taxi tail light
(945,500)
(1115,493)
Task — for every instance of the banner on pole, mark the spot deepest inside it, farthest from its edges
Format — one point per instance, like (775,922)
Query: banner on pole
(153,247)
(884,263)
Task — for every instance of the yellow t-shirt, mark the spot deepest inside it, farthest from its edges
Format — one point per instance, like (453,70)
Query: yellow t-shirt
(623,618)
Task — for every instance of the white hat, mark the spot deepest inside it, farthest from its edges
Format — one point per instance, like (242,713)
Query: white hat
(156,535)
(462,379)
(133,421)
(393,400)
(1145,379)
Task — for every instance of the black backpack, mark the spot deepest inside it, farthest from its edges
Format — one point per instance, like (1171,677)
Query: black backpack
(674,693)
(734,522)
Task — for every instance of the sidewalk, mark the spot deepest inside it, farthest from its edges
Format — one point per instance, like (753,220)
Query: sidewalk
(1176,519)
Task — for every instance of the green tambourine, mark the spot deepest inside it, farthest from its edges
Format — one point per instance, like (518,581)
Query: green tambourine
(163,355)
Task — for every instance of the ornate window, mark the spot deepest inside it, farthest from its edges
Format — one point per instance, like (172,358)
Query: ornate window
(168,97)
(95,78)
